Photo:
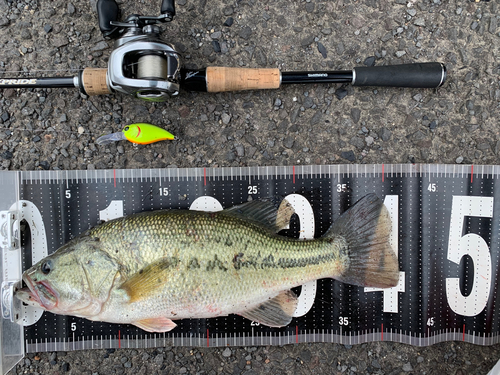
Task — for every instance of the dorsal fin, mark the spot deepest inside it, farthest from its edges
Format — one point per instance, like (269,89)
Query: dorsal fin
(264,213)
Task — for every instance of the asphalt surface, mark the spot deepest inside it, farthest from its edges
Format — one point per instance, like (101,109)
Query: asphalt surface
(295,125)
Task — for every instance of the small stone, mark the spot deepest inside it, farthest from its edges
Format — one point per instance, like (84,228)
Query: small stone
(348,155)
(307,41)
(81,130)
(240,150)
(288,142)
(385,134)
(65,367)
(369,61)
(7,155)
(36,138)
(226,353)
(216,46)
(102,45)
(412,12)
(407,367)
(322,50)
(63,118)
(418,97)
(341,93)
(229,22)
(419,22)
(357,142)
(216,35)
(355,114)
(5,116)
(245,32)
(400,53)
(71,9)
(369,140)
(277,102)
(226,118)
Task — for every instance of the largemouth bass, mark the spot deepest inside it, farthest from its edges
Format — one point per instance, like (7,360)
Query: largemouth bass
(151,268)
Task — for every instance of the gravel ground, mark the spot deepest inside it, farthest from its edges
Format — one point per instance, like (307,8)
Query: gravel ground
(308,124)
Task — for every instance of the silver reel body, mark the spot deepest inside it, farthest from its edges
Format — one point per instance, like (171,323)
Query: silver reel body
(144,66)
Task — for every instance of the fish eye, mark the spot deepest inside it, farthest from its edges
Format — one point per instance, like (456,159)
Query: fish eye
(46,267)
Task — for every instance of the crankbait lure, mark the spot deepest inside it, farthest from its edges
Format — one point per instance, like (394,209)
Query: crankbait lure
(141,133)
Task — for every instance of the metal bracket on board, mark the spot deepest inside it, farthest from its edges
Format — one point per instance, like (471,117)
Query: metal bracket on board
(10,236)
(11,254)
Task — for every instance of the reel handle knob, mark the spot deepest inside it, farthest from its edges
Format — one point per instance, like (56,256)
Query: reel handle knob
(168,7)
(107,11)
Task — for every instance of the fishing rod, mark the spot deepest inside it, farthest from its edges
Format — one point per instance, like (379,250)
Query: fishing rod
(145,66)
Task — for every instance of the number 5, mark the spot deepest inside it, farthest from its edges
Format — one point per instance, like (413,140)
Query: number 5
(474,246)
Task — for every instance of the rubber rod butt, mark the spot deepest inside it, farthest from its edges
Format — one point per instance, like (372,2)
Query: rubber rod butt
(420,75)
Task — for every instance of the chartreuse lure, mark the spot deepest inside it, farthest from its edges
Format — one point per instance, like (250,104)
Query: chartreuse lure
(141,133)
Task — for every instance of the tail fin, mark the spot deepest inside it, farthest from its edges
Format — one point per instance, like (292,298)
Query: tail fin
(366,228)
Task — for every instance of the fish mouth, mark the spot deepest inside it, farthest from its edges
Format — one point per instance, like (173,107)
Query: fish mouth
(38,294)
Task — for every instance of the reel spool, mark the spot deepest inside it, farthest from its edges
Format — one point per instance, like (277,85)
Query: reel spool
(153,68)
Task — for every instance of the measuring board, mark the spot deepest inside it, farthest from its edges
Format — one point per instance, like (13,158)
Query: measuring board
(445,228)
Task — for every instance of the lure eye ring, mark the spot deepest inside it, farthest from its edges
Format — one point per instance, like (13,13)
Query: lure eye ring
(46,267)
(126,128)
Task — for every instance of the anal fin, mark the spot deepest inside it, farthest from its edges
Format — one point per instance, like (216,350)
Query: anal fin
(156,324)
(276,312)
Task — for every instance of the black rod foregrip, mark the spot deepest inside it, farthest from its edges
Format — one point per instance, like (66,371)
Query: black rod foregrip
(420,75)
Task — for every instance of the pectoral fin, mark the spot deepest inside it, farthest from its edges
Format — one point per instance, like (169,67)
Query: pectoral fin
(156,324)
(144,283)
(276,312)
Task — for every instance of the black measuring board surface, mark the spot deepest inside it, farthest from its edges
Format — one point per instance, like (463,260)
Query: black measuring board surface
(445,226)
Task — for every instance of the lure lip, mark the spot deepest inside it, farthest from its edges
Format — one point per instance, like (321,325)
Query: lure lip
(109,138)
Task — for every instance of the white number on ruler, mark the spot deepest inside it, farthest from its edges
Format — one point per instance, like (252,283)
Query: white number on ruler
(391,294)
(67,193)
(255,324)
(474,246)
(341,188)
(113,211)
(73,326)
(430,322)
(432,188)
(304,210)
(252,189)
(343,320)
(163,191)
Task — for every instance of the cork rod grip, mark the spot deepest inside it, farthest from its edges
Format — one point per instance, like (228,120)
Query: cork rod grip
(221,79)
(94,81)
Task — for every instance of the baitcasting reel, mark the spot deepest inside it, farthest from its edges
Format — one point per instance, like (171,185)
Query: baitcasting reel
(141,64)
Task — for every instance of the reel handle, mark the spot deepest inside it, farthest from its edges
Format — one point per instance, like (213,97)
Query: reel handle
(168,7)
(107,12)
